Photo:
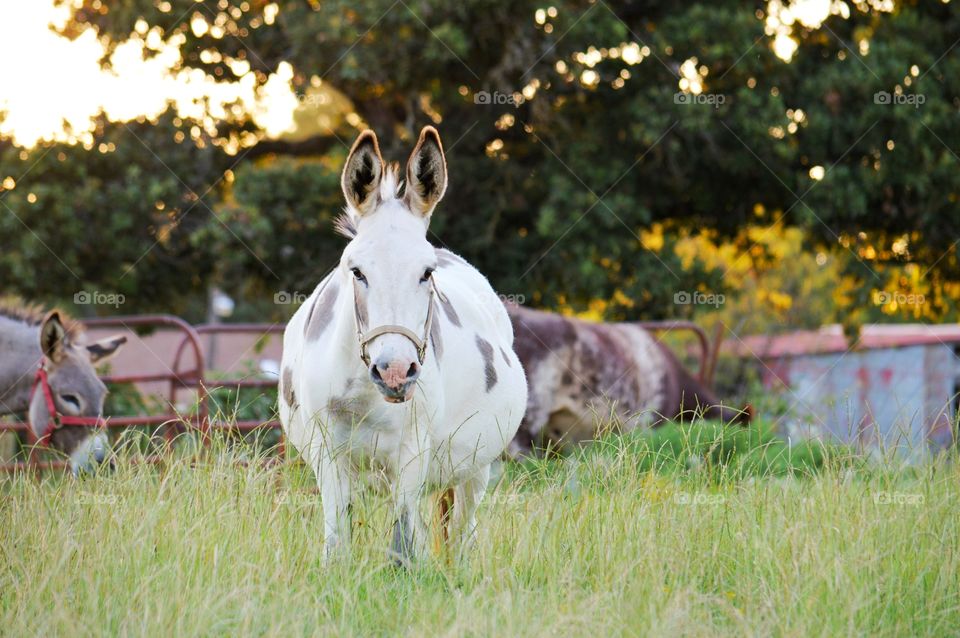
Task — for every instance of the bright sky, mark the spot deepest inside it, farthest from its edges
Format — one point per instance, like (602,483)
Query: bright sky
(46,80)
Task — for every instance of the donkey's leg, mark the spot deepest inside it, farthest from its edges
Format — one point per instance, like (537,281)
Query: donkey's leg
(410,532)
(333,478)
(465,503)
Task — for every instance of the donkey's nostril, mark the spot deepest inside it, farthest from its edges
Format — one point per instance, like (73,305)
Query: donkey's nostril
(375,372)
(413,370)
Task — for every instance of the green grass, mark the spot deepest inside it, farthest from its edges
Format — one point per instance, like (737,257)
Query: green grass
(677,532)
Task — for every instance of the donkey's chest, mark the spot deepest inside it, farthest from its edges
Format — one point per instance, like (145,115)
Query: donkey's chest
(364,426)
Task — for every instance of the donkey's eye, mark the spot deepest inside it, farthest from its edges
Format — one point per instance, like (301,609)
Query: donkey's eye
(358,275)
(71,400)
(426,275)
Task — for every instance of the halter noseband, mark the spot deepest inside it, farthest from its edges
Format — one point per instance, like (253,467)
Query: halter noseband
(363,338)
(56,420)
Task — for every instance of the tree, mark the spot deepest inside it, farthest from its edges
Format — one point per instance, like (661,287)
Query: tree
(572,129)
(113,220)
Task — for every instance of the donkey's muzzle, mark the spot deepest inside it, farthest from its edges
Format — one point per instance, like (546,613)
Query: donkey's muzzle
(92,456)
(396,380)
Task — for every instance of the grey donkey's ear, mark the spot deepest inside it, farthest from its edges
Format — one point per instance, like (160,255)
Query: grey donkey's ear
(105,348)
(362,173)
(53,337)
(426,173)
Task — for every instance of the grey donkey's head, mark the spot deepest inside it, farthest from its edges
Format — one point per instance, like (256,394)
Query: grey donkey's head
(76,390)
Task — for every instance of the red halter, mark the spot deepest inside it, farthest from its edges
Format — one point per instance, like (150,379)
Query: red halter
(56,419)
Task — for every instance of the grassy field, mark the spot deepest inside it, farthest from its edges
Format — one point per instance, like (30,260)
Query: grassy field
(682,532)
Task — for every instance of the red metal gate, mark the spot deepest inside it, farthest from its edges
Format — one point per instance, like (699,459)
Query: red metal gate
(194,376)
(257,329)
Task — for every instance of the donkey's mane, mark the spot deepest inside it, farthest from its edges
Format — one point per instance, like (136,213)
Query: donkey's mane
(32,314)
(345,225)
(391,187)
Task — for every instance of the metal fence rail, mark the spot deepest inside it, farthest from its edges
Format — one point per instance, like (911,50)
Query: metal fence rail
(259,329)
(196,378)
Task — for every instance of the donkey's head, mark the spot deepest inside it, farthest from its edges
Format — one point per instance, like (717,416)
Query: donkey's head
(76,391)
(389,261)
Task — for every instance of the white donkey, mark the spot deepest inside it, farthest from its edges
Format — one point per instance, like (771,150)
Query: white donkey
(401,361)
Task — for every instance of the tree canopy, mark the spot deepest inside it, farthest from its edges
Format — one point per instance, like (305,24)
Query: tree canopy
(572,131)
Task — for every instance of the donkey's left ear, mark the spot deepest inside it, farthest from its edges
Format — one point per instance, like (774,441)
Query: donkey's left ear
(105,348)
(426,173)
(53,337)
(362,173)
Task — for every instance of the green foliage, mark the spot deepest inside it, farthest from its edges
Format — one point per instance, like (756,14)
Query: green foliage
(548,197)
(116,219)
(258,404)
(703,451)
(230,403)
(722,451)
(124,399)
(283,214)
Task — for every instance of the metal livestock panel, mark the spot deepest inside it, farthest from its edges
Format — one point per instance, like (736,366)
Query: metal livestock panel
(892,399)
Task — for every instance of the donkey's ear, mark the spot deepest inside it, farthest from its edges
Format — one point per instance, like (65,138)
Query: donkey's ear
(362,172)
(426,173)
(105,348)
(53,337)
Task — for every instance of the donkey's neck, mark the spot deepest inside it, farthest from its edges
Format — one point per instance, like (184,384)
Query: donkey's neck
(19,357)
